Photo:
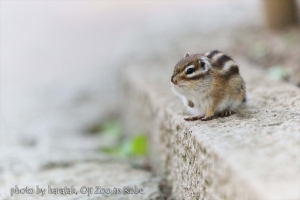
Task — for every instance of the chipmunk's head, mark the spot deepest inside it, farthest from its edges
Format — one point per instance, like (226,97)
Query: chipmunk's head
(190,72)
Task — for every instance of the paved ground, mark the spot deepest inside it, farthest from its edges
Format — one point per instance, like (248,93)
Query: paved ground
(58,67)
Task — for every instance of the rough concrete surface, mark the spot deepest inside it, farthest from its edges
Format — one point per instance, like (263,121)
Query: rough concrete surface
(45,141)
(254,154)
(88,179)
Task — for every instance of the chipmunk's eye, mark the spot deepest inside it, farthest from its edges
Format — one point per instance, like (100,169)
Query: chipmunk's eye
(190,71)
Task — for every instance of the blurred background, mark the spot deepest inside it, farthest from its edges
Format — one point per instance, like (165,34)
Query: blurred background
(60,62)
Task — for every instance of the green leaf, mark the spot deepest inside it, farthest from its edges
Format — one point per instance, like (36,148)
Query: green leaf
(279,72)
(139,145)
(126,148)
(136,146)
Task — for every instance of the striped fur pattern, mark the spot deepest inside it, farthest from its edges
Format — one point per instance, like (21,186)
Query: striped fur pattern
(209,84)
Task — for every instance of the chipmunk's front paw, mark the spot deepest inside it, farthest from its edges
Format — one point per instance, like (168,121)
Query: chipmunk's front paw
(192,118)
(226,113)
(206,118)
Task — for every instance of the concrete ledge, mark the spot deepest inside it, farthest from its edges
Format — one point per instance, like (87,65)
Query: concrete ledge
(254,154)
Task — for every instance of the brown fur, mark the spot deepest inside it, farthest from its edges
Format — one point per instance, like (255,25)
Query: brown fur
(185,62)
(217,81)
(212,53)
(219,63)
(190,104)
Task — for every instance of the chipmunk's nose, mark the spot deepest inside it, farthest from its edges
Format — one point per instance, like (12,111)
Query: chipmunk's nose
(173,80)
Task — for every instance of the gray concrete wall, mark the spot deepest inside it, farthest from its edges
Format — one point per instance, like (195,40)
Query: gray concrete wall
(254,154)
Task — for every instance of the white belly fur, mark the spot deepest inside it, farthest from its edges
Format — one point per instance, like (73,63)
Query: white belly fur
(199,108)
(201,104)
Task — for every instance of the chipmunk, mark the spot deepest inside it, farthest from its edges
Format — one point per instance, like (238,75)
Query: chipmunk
(209,84)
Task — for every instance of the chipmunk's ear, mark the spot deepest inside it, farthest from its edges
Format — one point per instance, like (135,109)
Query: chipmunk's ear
(187,54)
(205,63)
